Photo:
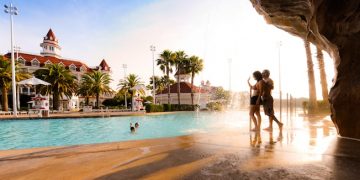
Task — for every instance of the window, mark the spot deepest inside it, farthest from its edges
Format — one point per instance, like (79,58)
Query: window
(72,67)
(60,63)
(83,69)
(21,61)
(35,62)
(48,62)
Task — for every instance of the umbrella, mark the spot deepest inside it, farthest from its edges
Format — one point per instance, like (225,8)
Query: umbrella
(33,81)
(139,87)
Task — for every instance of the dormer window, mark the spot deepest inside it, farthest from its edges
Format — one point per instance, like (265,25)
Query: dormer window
(72,67)
(21,61)
(35,62)
(83,69)
(48,62)
(62,64)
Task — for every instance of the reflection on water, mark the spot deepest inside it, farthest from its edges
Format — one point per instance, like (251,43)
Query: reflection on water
(300,132)
(306,148)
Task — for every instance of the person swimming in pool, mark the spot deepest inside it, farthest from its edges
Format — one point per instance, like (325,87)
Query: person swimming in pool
(136,125)
(132,128)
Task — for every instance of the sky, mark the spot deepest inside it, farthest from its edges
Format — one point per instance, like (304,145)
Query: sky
(121,32)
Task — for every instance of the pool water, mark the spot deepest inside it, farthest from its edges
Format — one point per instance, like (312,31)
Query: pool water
(20,134)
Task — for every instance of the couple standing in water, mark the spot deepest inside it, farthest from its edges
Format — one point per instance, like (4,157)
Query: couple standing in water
(261,94)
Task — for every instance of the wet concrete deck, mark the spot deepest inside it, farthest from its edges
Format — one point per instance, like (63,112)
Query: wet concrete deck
(307,148)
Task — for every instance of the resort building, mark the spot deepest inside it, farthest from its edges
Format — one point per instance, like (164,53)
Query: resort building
(201,95)
(51,54)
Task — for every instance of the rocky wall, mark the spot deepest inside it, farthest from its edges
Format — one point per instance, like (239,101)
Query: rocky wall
(333,25)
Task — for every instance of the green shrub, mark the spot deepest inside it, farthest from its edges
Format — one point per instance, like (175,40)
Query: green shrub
(167,107)
(322,106)
(214,106)
(111,102)
(154,108)
(183,107)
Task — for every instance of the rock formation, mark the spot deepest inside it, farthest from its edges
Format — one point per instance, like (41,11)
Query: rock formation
(333,25)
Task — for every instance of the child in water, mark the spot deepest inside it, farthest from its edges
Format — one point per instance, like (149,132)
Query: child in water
(132,128)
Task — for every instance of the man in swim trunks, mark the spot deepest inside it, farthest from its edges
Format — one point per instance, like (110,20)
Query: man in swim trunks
(268,101)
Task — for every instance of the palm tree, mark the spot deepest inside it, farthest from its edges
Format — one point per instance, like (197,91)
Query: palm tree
(179,65)
(311,76)
(195,66)
(63,83)
(320,58)
(98,83)
(129,83)
(157,84)
(84,90)
(160,83)
(5,80)
(166,62)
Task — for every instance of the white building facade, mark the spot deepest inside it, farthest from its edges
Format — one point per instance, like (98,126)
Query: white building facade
(201,96)
(51,54)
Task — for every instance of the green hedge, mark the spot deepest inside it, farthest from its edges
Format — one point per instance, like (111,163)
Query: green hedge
(323,106)
(215,106)
(169,107)
(154,108)
(182,107)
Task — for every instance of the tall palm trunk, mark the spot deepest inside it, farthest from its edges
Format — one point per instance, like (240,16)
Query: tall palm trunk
(86,100)
(178,84)
(132,97)
(311,76)
(5,105)
(192,85)
(56,100)
(168,85)
(320,58)
(97,100)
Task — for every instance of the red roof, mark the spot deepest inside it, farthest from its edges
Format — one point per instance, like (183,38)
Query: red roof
(42,59)
(104,65)
(185,87)
(50,36)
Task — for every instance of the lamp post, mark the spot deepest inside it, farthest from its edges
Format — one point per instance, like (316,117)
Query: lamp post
(230,62)
(125,66)
(231,98)
(17,49)
(12,10)
(153,49)
(280,92)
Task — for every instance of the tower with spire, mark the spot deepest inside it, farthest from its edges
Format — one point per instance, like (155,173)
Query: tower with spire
(50,45)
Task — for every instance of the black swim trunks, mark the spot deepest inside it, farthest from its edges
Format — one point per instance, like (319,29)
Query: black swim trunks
(253,100)
(268,103)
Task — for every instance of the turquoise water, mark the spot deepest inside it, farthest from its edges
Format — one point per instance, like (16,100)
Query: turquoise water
(19,134)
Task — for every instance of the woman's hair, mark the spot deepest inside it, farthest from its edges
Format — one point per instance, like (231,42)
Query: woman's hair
(257,75)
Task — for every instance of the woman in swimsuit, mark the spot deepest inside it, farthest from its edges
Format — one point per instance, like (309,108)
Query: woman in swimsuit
(255,100)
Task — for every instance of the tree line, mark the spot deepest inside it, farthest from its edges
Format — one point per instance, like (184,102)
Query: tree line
(63,83)
(180,62)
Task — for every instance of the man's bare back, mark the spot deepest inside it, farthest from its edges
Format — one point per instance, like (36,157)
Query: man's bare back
(268,86)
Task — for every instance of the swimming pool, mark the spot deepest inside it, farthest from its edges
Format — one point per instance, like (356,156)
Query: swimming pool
(20,134)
